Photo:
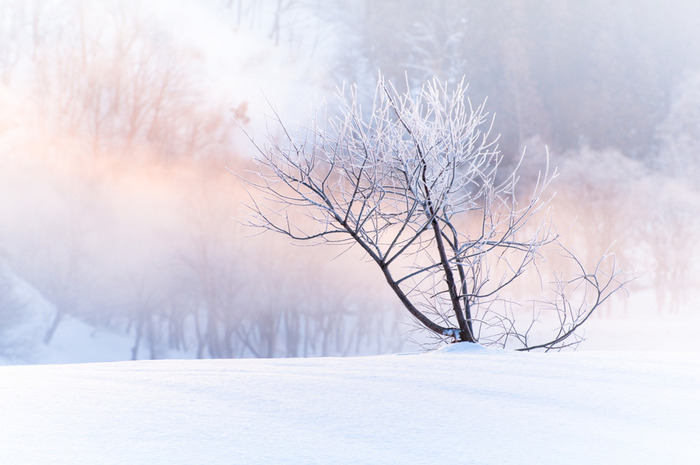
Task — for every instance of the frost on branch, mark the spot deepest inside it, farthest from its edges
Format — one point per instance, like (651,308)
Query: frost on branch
(414,183)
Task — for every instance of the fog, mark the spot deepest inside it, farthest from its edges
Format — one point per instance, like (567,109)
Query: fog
(122,148)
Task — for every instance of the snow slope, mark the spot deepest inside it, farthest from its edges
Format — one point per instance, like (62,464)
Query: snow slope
(463,404)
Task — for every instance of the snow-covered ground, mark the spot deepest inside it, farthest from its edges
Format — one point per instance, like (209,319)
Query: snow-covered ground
(462,404)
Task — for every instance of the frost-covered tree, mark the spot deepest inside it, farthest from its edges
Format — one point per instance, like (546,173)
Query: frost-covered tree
(679,133)
(414,181)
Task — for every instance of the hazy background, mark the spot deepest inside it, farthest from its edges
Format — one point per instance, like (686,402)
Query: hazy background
(120,124)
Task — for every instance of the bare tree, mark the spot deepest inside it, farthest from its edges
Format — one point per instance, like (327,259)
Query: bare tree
(414,182)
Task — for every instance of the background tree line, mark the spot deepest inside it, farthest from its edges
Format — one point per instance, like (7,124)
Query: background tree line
(116,129)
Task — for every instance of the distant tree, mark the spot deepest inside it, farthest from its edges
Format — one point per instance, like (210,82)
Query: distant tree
(613,186)
(9,41)
(673,213)
(678,134)
(414,182)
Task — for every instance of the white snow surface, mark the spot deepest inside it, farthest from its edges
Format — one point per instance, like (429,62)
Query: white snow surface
(463,404)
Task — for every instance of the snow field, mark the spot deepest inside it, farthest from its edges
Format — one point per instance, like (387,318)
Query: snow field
(463,404)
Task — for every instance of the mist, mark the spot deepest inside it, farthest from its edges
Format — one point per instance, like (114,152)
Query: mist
(123,146)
